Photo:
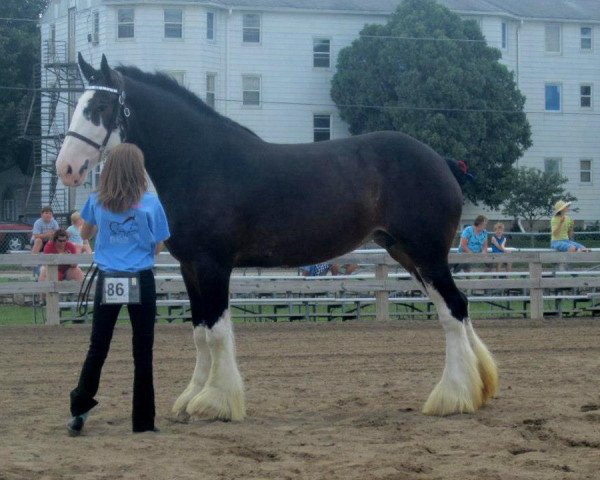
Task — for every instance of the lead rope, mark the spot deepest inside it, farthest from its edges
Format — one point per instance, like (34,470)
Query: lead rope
(84,291)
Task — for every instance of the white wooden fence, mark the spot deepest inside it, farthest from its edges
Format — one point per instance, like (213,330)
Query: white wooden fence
(548,276)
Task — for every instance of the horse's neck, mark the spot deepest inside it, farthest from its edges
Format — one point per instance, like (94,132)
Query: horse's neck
(176,140)
(157,127)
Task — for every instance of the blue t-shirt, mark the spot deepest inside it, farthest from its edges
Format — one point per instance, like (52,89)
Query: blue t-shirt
(474,241)
(74,235)
(40,227)
(126,241)
(500,239)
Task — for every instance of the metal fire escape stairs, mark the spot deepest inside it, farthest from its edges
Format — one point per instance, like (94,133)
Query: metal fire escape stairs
(56,85)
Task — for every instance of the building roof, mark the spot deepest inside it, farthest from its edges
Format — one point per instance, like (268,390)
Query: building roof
(574,10)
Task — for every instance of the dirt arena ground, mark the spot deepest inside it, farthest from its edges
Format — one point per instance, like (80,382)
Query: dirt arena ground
(325,401)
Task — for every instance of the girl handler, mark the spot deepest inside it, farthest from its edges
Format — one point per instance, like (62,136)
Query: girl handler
(130,226)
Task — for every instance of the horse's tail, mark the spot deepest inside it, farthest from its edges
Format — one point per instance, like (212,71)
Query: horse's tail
(460,170)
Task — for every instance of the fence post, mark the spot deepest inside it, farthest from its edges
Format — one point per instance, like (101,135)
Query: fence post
(52,313)
(536,293)
(382,306)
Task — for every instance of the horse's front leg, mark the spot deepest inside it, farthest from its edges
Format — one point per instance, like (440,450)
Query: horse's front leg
(216,389)
(223,394)
(200,375)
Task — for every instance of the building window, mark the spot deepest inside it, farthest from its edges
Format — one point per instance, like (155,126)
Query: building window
(504,41)
(585,96)
(251,28)
(173,23)
(321,127)
(321,52)
(251,87)
(552,165)
(125,23)
(95,28)
(586,38)
(553,102)
(210,25)
(585,171)
(210,89)
(177,75)
(553,37)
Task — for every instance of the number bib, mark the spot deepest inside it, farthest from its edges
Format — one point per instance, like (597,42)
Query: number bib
(121,288)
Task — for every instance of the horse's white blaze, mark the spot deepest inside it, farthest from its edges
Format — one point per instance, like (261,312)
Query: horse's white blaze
(223,394)
(461,387)
(74,152)
(201,371)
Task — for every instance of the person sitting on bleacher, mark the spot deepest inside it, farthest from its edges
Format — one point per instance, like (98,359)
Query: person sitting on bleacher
(561,227)
(60,244)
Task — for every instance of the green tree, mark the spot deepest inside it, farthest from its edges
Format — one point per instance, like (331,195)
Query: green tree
(431,75)
(19,53)
(534,193)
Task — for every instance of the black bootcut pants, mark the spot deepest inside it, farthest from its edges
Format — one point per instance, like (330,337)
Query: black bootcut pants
(142,318)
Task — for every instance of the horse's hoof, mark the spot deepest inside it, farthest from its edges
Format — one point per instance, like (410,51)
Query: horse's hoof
(179,416)
(215,404)
(180,405)
(445,400)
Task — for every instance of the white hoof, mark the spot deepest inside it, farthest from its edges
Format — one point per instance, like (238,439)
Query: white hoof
(215,404)
(180,405)
(448,398)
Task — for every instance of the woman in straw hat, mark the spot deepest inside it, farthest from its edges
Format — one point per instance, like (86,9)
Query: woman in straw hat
(562,230)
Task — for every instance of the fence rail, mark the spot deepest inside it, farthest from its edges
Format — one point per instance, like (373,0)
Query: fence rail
(543,275)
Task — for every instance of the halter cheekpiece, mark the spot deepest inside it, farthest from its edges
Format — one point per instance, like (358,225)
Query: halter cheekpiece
(113,121)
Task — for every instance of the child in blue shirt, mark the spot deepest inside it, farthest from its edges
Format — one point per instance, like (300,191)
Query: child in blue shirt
(130,226)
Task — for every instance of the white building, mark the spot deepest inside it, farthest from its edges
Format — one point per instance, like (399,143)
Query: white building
(268,64)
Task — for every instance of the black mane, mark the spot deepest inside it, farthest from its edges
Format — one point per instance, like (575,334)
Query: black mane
(164,81)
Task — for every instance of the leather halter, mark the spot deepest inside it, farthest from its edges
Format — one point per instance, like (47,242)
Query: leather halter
(120,105)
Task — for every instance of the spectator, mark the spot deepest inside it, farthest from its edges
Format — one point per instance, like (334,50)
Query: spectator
(473,239)
(43,230)
(74,231)
(60,244)
(561,227)
(322,268)
(499,245)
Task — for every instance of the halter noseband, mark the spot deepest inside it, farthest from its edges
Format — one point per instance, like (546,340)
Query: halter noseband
(121,106)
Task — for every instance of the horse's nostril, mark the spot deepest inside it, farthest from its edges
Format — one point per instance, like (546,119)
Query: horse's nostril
(69,170)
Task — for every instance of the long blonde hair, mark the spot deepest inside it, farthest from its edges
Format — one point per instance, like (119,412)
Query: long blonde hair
(123,178)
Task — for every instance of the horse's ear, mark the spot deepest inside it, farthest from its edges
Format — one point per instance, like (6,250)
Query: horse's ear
(88,71)
(108,73)
(104,68)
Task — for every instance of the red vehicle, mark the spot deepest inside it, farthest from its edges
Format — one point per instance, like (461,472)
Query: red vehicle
(14,236)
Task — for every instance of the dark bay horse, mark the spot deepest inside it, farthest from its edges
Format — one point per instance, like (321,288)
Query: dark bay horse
(234,200)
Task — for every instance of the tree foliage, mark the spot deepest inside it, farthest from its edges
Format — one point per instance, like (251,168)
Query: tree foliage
(534,193)
(431,75)
(19,53)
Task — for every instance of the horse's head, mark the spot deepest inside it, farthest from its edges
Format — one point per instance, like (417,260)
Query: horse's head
(94,125)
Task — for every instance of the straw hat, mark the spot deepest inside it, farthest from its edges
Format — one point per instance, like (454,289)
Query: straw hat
(560,205)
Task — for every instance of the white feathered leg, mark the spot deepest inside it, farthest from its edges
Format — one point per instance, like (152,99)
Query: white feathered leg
(223,394)
(485,363)
(199,376)
(460,389)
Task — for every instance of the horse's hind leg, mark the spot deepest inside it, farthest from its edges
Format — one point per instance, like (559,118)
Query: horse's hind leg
(216,389)
(470,376)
